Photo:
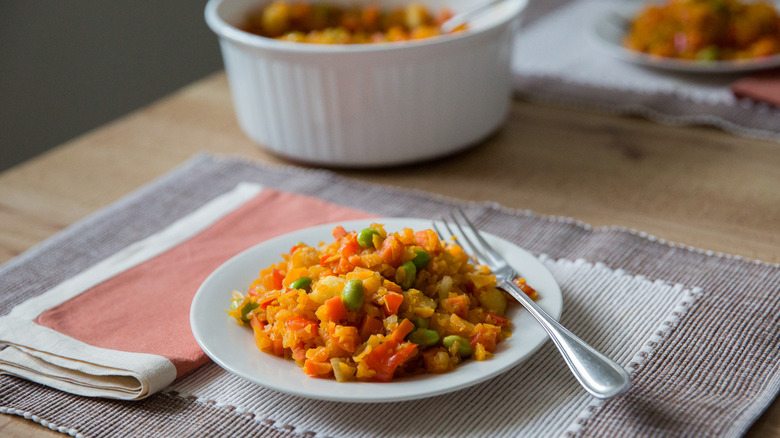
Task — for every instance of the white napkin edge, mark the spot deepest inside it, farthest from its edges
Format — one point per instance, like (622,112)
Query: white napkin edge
(48,357)
(45,356)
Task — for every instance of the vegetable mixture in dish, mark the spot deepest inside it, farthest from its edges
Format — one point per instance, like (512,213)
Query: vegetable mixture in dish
(324,23)
(373,305)
(706,30)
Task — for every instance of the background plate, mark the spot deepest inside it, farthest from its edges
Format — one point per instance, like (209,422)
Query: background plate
(609,30)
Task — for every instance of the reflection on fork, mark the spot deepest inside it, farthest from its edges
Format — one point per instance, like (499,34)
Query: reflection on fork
(598,374)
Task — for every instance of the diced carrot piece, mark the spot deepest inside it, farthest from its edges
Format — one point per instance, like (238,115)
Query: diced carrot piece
(459,305)
(429,240)
(531,292)
(262,340)
(277,346)
(304,328)
(387,357)
(344,266)
(255,322)
(486,336)
(278,279)
(349,247)
(339,232)
(391,251)
(370,326)
(273,280)
(329,258)
(404,328)
(335,309)
(393,302)
(268,297)
(492,318)
(314,368)
(356,260)
(299,352)
(299,323)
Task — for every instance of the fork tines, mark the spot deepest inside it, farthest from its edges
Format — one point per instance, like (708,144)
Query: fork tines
(464,238)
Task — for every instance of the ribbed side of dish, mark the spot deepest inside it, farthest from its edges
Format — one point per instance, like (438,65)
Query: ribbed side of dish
(371,108)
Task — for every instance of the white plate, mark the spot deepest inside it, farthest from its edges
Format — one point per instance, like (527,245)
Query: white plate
(233,346)
(610,29)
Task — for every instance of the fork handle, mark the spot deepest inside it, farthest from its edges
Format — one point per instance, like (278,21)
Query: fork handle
(597,373)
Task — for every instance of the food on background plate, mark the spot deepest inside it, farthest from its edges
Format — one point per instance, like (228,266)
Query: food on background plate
(373,305)
(325,23)
(706,30)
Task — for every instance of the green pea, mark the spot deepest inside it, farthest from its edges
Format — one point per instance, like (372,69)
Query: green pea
(411,273)
(464,347)
(301,283)
(248,307)
(352,295)
(366,237)
(424,337)
(421,259)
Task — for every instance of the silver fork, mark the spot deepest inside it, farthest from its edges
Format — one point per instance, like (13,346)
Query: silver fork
(597,373)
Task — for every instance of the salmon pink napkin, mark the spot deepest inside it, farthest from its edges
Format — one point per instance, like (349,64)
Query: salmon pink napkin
(120,329)
(760,88)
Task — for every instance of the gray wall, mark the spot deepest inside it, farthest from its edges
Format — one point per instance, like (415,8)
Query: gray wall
(67,66)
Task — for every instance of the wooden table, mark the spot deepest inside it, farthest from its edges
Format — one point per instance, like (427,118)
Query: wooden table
(697,186)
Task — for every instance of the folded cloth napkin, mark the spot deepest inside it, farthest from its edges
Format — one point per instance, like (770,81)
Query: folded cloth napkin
(698,331)
(760,88)
(120,329)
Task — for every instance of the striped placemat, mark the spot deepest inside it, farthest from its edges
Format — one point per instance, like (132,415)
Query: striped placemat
(698,331)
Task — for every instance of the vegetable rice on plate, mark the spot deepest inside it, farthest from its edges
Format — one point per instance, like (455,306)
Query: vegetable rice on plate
(373,305)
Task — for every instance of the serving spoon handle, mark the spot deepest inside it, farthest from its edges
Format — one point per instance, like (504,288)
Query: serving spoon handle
(462,17)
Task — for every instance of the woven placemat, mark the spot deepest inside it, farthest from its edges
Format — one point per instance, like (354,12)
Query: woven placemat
(698,331)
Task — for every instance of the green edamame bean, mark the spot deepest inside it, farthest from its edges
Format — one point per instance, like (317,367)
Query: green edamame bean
(352,295)
(366,237)
(710,53)
(301,283)
(411,273)
(421,259)
(248,307)
(420,322)
(424,337)
(464,346)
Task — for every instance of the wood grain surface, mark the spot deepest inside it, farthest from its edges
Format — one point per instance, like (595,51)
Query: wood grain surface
(692,185)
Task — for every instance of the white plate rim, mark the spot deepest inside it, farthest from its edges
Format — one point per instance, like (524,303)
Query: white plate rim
(607,35)
(232,346)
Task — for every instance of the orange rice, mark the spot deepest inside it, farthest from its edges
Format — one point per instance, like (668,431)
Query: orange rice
(327,23)
(706,30)
(371,306)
